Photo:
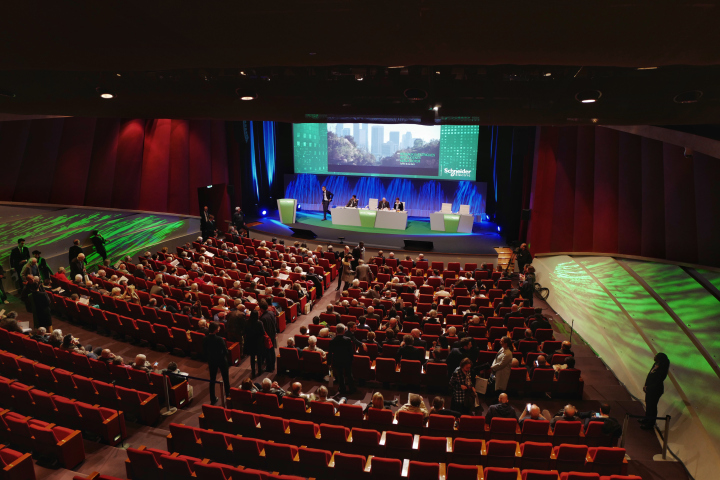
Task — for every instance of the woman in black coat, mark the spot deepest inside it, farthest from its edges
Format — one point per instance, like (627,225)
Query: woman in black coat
(255,342)
(654,389)
(41,307)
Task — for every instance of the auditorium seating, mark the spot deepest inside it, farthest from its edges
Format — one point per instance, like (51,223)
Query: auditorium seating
(15,465)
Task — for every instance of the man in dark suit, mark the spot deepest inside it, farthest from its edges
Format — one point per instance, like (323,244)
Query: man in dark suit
(238,219)
(75,250)
(342,348)
(140,273)
(210,229)
(99,242)
(270,323)
(204,218)
(316,280)
(407,350)
(216,351)
(539,322)
(512,313)
(417,341)
(502,409)
(523,257)
(353,202)
(398,205)
(383,204)
(327,197)
(357,253)
(19,256)
(457,355)
(77,266)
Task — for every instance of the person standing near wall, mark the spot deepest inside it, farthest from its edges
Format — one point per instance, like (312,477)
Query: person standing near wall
(654,388)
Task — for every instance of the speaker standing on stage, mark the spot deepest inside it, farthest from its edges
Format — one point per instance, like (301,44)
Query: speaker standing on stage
(216,352)
(398,205)
(383,204)
(353,202)
(327,197)
(99,242)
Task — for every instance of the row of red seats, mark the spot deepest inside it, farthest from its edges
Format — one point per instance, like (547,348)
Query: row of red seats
(15,465)
(262,454)
(42,438)
(52,368)
(172,338)
(272,424)
(104,423)
(145,406)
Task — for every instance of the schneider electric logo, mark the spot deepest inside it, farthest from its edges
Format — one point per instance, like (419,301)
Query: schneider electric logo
(457,173)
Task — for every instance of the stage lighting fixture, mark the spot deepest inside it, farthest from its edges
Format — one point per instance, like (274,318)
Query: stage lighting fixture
(105,93)
(299,207)
(547,74)
(398,66)
(436,108)
(647,68)
(246,94)
(264,212)
(498,228)
(588,96)
(688,97)
(358,77)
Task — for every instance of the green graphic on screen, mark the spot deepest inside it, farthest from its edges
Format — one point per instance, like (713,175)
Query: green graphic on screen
(447,152)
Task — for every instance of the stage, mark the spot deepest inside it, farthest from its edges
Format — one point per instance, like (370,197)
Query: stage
(482,241)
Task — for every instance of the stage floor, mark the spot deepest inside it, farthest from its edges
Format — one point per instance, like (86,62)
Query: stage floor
(482,241)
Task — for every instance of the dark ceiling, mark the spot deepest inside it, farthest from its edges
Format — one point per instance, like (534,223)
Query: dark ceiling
(513,63)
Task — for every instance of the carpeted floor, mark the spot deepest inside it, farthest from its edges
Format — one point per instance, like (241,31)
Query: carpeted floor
(600,386)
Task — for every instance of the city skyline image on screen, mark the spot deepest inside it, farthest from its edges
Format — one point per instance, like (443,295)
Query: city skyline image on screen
(391,150)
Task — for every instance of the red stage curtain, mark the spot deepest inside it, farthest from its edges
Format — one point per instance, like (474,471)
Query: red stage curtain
(135,164)
(614,192)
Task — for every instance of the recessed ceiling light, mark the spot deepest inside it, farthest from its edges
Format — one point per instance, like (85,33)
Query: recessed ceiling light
(242,73)
(105,93)
(588,96)
(246,94)
(358,77)
(398,66)
(437,73)
(547,74)
(647,68)
(688,97)
(118,75)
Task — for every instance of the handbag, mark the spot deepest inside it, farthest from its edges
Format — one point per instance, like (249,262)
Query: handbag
(469,400)
(481,385)
(268,341)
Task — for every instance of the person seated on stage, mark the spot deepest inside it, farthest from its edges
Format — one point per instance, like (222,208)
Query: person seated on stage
(353,202)
(398,205)
(383,204)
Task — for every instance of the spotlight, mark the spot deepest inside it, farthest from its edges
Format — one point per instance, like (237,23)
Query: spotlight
(688,97)
(264,212)
(105,93)
(118,75)
(358,77)
(436,108)
(547,74)
(498,228)
(588,96)
(246,94)
(299,207)
(437,73)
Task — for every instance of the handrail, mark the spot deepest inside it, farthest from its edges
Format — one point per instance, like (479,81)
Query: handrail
(665,436)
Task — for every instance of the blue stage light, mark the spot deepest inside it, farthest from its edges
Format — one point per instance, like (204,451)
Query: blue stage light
(498,226)
(264,212)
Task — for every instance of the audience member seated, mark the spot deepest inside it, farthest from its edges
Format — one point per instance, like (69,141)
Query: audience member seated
(415,405)
(502,409)
(565,349)
(533,414)
(40,335)
(312,345)
(541,363)
(321,395)
(72,345)
(407,351)
(569,414)
(291,344)
(296,392)
(438,408)
(268,386)
(176,377)
(610,425)
(141,363)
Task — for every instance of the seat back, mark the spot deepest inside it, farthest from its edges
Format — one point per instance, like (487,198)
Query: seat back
(497,473)
(385,468)
(423,471)
(462,472)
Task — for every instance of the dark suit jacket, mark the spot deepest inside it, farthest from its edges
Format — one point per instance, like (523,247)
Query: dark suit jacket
(75,250)
(356,253)
(215,350)
(384,204)
(17,256)
(352,203)
(238,219)
(409,352)
(329,195)
(418,342)
(77,268)
(343,350)
(398,206)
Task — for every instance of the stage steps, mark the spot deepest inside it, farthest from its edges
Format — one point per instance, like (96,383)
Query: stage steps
(504,256)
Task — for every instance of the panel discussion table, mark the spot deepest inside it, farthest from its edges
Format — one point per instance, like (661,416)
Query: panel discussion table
(451,222)
(364,217)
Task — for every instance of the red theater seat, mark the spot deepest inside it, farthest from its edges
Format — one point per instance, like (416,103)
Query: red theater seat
(496,473)
(570,458)
(61,444)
